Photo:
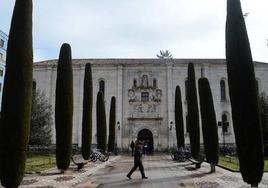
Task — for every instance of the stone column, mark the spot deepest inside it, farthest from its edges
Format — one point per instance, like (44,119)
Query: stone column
(170,105)
(51,89)
(119,106)
(79,101)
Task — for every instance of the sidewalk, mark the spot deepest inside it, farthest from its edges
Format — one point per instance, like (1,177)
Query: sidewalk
(161,170)
(72,177)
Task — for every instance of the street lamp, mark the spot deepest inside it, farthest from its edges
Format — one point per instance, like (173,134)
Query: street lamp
(170,126)
(118,125)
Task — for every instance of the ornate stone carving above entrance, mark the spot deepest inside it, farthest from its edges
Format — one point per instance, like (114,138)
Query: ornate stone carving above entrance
(144,96)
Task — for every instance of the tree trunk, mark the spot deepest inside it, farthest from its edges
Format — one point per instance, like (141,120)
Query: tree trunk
(198,165)
(212,168)
(254,185)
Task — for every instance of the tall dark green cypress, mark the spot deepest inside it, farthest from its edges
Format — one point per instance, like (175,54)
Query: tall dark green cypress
(179,118)
(101,122)
(243,95)
(64,108)
(193,113)
(87,113)
(111,140)
(17,96)
(209,123)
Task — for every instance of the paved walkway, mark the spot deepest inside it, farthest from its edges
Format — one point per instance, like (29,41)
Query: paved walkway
(164,173)
(161,170)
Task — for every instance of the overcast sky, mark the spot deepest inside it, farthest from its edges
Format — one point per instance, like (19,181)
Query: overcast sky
(139,28)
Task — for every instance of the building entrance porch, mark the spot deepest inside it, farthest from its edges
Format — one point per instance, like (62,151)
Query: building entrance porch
(146,136)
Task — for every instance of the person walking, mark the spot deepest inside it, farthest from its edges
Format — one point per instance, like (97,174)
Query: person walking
(132,145)
(137,161)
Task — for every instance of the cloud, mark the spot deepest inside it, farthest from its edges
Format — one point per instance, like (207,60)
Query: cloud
(140,28)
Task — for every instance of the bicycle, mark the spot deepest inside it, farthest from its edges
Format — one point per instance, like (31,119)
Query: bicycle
(101,155)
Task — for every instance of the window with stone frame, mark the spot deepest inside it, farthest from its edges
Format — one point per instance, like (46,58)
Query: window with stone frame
(223,90)
(1,56)
(34,86)
(102,86)
(2,43)
(1,72)
(144,96)
(134,83)
(225,124)
(154,83)
(186,86)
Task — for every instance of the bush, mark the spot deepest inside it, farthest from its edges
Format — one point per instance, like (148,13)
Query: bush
(64,108)
(87,113)
(209,122)
(193,113)
(17,96)
(101,122)
(179,118)
(243,95)
(41,121)
(111,141)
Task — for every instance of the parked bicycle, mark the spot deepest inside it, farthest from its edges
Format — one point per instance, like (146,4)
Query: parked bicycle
(181,154)
(227,151)
(99,155)
(93,157)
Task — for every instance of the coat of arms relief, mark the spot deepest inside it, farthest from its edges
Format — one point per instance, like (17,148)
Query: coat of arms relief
(144,96)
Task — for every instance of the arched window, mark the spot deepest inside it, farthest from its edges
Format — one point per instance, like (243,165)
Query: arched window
(225,123)
(258,85)
(134,83)
(102,86)
(223,90)
(2,43)
(155,83)
(202,72)
(34,86)
(1,72)
(186,86)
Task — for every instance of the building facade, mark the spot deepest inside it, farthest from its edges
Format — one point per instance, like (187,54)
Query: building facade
(145,95)
(3,49)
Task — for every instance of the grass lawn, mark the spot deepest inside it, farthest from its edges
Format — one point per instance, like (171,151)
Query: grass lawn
(39,162)
(232,163)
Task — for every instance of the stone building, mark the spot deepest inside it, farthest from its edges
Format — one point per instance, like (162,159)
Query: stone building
(145,95)
(3,49)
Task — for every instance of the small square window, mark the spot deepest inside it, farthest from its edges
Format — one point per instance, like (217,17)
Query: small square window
(2,43)
(144,96)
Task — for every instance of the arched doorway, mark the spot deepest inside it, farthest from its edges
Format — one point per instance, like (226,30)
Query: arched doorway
(146,136)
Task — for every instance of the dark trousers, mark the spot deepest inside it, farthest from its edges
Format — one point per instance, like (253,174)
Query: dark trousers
(136,165)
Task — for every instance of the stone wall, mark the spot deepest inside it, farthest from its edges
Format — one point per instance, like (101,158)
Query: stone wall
(133,113)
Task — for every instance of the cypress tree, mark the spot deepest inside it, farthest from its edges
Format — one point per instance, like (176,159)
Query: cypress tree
(243,95)
(193,116)
(209,123)
(87,113)
(111,140)
(17,96)
(179,118)
(64,108)
(101,122)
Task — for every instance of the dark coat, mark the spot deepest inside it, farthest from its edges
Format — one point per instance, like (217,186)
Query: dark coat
(137,156)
